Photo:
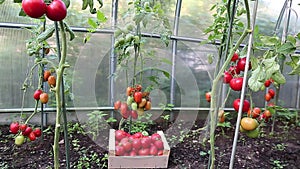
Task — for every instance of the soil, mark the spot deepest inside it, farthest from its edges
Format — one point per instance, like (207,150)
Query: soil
(280,150)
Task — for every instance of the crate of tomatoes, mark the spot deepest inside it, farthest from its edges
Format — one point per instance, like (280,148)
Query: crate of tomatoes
(137,150)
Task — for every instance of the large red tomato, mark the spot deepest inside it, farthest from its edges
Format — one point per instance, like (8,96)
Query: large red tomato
(236,83)
(236,105)
(57,10)
(34,8)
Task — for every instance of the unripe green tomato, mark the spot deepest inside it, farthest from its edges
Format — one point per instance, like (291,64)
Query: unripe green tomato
(129,100)
(19,140)
(253,133)
(134,106)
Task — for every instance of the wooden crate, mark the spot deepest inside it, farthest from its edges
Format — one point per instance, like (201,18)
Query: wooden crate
(137,161)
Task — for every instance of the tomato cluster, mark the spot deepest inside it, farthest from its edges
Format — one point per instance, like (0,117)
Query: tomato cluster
(55,11)
(137,102)
(22,131)
(41,96)
(138,144)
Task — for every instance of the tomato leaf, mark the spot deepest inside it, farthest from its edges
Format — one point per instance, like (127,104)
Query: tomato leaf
(84,4)
(16,1)
(270,40)
(101,17)
(101,3)
(257,79)
(294,64)
(286,48)
(67,3)
(1,1)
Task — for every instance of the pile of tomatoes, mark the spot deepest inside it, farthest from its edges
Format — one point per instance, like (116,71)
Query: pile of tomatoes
(138,144)
(55,11)
(24,131)
(137,102)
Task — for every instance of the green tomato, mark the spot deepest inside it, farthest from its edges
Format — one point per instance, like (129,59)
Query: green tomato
(134,106)
(19,140)
(129,100)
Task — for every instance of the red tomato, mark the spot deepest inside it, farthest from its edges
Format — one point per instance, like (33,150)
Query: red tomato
(207,96)
(31,136)
(146,142)
(235,57)
(160,152)
(227,77)
(267,83)
(136,143)
(271,92)
(36,94)
(27,131)
(14,127)
(159,144)
(268,97)
(254,113)
(47,73)
(37,132)
(127,146)
(144,152)
(236,83)
(120,134)
(155,137)
(132,153)
(120,151)
(138,87)
(124,109)
(138,97)
(34,8)
(22,127)
(153,150)
(236,105)
(129,91)
(134,114)
(242,63)
(137,135)
(57,10)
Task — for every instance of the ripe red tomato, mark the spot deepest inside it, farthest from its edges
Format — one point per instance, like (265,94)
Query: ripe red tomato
(138,87)
(267,114)
(127,146)
(14,127)
(34,8)
(137,135)
(236,105)
(57,10)
(22,127)
(132,153)
(134,114)
(268,97)
(37,132)
(267,83)
(153,150)
(136,143)
(120,151)
(44,98)
(227,77)
(254,113)
(27,131)
(120,134)
(31,136)
(160,152)
(37,93)
(138,97)
(123,108)
(236,83)
(235,57)
(271,92)
(144,152)
(159,144)
(208,96)
(242,63)
(155,137)
(146,142)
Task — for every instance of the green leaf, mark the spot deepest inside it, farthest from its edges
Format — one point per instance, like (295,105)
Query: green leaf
(22,13)
(254,62)
(17,1)
(1,1)
(92,23)
(101,3)
(257,79)
(270,41)
(101,17)
(286,48)
(210,58)
(67,3)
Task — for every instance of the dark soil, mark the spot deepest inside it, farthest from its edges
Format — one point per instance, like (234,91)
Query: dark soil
(281,150)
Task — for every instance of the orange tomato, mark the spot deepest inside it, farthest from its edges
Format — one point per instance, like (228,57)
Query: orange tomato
(254,113)
(249,124)
(52,81)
